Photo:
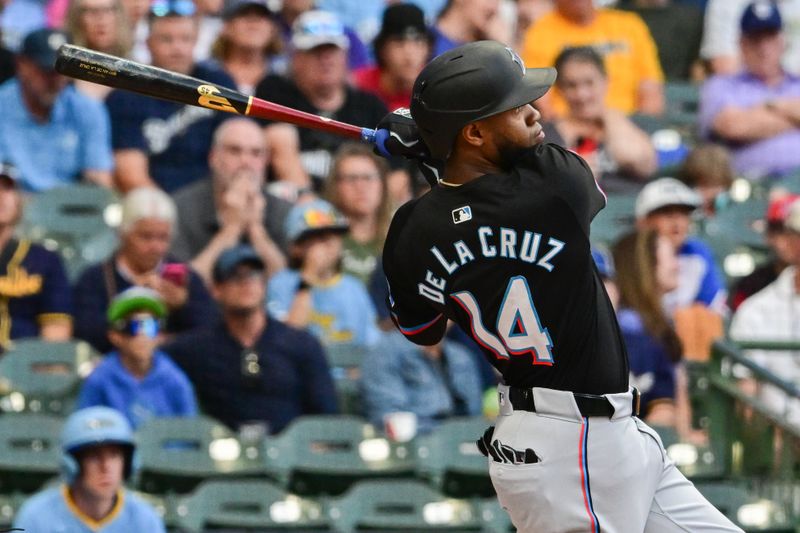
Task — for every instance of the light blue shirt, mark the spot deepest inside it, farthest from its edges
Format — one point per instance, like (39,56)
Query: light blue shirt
(365,17)
(50,511)
(77,137)
(342,312)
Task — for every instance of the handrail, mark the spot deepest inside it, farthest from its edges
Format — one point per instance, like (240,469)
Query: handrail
(730,350)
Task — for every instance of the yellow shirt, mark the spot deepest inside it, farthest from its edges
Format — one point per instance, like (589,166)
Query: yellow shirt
(622,39)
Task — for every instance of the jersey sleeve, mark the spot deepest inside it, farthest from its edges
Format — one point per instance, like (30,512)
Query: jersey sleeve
(416,319)
(57,294)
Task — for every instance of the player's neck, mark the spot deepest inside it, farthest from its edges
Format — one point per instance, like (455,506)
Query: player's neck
(90,505)
(460,171)
(246,327)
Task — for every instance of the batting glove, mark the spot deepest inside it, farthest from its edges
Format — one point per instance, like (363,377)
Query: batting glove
(397,135)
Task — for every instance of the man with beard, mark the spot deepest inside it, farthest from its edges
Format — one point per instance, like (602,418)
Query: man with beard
(250,369)
(500,245)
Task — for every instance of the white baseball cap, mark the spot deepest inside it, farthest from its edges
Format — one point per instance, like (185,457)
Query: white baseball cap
(664,192)
(793,218)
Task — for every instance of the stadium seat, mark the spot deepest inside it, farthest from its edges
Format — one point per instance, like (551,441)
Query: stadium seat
(401,505)
(495,519)
(253,505)
(726,496)
(682,101)
(614,220)
(73,221)
(30,453)
(326,454)
(736,236)
(449,459)
(42,376)
(345,362)
(178,453)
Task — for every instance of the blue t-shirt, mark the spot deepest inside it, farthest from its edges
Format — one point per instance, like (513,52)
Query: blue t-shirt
(165,391)
(35,288)
(441,42)
(74,139)
(53,511)
(651,370)
(699,279)
(342,312)
(175,137)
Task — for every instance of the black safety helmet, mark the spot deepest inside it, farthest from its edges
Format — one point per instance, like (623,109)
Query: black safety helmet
(469,83)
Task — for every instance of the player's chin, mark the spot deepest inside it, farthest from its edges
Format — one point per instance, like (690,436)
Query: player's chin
(537,136)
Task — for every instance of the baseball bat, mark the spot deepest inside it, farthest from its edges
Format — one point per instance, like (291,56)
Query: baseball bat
(104,69)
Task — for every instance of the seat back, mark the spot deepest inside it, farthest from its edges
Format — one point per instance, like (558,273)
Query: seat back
(30,451)
(616,219)
(345,362)
(326,454)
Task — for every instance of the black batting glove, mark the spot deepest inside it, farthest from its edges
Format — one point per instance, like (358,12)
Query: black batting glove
(397,135)
(484,443)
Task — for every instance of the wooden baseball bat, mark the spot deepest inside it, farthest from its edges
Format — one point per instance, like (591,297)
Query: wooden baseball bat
(104,69)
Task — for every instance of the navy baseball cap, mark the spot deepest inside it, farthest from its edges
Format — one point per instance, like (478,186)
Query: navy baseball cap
(9,172)
(237,7)
(760,17)
(226,263)
(41,46)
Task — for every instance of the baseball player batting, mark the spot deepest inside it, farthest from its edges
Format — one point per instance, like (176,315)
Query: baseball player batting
(501,246)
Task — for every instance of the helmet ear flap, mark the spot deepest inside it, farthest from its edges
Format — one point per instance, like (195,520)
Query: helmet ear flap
(133,463)
(70,468)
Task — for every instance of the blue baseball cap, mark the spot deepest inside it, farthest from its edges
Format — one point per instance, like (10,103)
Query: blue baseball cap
(41,46)
(318,28)
(760,17)
(226,263)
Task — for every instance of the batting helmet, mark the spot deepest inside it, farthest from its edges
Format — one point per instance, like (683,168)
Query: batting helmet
(469,83)
(94,426)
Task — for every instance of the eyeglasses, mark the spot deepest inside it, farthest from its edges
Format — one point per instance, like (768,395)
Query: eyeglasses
(163,8)
(148,326)
(352,178)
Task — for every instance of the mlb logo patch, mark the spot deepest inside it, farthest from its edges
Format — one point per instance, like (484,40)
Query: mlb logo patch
(462,214)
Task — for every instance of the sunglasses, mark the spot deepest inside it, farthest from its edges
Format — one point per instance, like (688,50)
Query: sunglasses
(163,8)
(148,326)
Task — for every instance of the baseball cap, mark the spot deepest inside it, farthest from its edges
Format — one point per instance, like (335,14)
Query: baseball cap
(317,28)
(136,299)
(761,16)
(402,21)
(237,7)
(778,208)
(228,260)
(793,216)
(469,83)
(317,216)
(665,192)
(9,172)
(41,46)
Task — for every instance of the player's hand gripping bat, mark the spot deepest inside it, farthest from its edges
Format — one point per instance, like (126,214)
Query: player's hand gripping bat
(104,69)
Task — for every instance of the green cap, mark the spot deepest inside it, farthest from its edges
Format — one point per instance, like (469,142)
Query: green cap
(136,299)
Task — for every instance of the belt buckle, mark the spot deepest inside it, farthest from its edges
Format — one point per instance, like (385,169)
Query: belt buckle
(637,401)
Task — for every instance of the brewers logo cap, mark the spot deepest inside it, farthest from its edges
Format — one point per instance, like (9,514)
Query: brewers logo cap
(469,83)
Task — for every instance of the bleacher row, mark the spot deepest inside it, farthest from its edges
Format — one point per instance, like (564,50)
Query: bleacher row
(338,473)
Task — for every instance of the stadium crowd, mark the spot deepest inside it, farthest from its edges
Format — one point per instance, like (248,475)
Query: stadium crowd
(249,249)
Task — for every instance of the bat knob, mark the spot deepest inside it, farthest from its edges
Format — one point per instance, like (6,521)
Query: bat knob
(368,135)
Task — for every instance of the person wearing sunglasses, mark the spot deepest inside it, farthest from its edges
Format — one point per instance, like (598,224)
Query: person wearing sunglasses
(160,143)
(137,378)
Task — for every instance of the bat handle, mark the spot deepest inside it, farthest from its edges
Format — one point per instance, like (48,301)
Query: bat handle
(368,135)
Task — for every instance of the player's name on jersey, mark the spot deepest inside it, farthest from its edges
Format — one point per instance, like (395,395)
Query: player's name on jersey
(491,243)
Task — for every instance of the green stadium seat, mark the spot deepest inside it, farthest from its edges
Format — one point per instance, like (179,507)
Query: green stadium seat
(682,101)
(326,454)
(736,233)
(616,219)
(30,452)
(401,505)
(495,519)
(726,496)
(178,453)
(345,361)
(449,459)
(251,505)
(42,376)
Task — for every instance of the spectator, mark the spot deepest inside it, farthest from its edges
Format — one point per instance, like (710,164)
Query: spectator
(136,12)
(18,18)
(464,21)
(433,382)
(98,456)
(677,29)
(721,35)
(635,80)
(402,48)
(158,142)
(53,134)
(708,170)
(756,112)
(33,285)
(249,39)
(620,154)
(318,84)
(773,315)
(528,12)
(209,26)
(779,241)
(148,221)
(233,206)
(666,205)
(313,293)
(137,379)
(7,66)
(605,267)
(647,269)
(250,368)
(103,26)
(357,187)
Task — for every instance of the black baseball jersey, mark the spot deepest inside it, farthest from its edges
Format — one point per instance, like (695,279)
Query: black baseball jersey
(507,257)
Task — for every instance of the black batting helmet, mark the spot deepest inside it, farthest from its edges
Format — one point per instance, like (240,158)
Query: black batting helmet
(469,83)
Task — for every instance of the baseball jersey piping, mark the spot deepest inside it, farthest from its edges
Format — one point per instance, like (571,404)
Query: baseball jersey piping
(583,461)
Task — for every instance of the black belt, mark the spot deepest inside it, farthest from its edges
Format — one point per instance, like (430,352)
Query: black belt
(588,404)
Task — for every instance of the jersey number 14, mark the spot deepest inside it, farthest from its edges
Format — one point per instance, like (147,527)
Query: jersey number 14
(518,330)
